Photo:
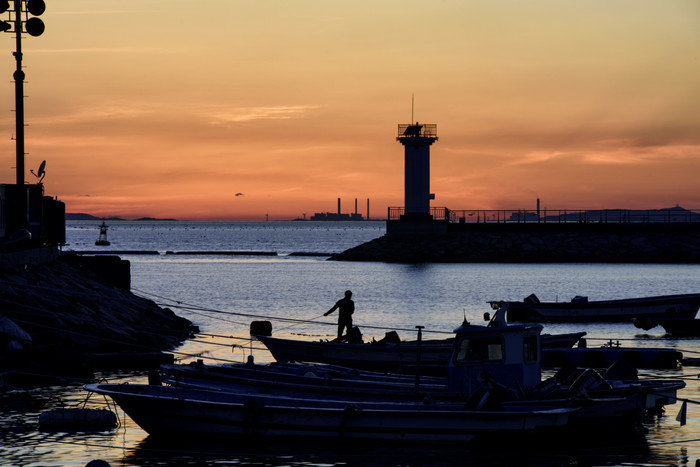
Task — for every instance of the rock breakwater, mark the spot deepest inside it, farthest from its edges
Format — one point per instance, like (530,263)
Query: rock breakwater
(71,316)
(610,243)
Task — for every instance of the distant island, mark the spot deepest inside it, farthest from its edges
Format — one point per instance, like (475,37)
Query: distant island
(79,216)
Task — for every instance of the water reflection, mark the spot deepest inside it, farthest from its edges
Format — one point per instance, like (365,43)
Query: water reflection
(154,452)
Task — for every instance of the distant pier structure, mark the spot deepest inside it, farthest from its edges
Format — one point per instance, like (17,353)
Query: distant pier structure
(417,139)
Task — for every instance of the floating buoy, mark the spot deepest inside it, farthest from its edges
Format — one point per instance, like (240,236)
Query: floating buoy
(78,419)
(97,463)
(102,239)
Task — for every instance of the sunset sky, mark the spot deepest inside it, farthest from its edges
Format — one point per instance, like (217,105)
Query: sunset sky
(169,108)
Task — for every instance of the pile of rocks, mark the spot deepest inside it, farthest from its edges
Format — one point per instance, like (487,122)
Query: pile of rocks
(509,245)
(57,316)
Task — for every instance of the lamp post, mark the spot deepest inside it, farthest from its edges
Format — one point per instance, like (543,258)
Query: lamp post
(34,27)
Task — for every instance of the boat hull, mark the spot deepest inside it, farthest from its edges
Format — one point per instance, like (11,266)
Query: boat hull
(172,411)
(680,327)
(624,310)
(397,358)
(391,357)
(623,404)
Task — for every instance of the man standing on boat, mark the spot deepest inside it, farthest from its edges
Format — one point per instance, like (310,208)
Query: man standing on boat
(345,308)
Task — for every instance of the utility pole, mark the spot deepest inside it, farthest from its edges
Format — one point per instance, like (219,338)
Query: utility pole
(34,27)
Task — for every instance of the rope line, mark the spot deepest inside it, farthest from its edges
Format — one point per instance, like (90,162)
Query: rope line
(194,309)
(207,312)
(189,307)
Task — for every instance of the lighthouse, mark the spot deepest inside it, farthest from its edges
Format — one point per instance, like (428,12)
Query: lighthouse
(417,139)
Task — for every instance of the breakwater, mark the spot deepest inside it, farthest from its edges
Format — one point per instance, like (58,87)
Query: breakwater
(440,241)
(199,253)
(75,315)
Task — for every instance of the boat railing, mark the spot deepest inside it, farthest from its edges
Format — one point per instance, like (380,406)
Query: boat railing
(520,216)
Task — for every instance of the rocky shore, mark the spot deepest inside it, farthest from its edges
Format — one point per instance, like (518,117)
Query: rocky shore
(66,317)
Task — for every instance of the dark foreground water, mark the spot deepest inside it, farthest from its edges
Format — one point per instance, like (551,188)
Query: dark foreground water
(224,293)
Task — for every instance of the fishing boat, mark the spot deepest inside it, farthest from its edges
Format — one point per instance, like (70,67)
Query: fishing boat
(175,411)
(599,397)
(582,310)
(600,402)
(675,327)
(395,357)
(301,378)
(490,369)
(611,352)
(508,354)
(464,380)
(385,355)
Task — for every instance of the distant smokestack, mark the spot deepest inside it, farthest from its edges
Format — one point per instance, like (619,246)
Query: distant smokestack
(538,209)
(355,206)
(367,208)
(338,206)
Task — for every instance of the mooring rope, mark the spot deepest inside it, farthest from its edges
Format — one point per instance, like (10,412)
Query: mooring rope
(189,307)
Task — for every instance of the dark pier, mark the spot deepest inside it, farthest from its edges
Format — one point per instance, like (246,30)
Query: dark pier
(670,236)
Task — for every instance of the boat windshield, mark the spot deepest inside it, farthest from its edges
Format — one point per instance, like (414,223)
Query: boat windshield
(484,349)
(530,351)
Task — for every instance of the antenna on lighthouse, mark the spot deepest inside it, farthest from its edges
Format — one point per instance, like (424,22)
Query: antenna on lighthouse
(411,107)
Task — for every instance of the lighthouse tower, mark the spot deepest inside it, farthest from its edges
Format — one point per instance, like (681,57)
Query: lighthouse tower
(416,139)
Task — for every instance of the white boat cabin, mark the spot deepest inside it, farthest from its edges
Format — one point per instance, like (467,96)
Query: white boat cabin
(507,355)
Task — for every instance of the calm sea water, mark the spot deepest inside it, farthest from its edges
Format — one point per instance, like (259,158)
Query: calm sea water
(222,294)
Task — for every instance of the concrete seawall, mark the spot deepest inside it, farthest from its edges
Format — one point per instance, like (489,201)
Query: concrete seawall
(532,242)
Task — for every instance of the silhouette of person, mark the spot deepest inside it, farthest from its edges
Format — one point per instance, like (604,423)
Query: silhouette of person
(345,307)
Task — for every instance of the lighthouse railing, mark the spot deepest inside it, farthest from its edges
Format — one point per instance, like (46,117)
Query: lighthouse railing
(437,213)
(420,130)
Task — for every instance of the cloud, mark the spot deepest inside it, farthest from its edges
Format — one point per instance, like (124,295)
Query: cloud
(634,152)
(104,50)
(247,114)
(536,157)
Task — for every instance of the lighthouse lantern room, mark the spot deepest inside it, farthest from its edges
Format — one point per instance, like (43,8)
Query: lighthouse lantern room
(417,139)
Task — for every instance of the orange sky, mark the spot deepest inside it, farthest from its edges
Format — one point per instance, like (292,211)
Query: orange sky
(168,108)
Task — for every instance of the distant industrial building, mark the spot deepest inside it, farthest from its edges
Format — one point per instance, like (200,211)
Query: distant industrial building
(339,216)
